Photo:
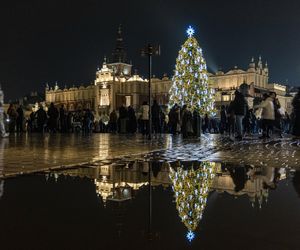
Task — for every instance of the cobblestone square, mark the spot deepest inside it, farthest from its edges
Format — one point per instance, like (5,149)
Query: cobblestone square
(31,153)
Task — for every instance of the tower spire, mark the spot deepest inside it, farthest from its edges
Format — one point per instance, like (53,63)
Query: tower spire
(252,63)
(119,54)
(259,62)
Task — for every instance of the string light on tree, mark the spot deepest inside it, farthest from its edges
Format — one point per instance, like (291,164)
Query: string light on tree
(190,82)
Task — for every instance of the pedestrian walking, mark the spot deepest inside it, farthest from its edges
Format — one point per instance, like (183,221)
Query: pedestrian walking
(278,116)
(12,113)
(223,119)
(173,119)
(156,117)
(123,119)
(53,115)
(62,119)
(296,112)
(206,124)
(113,119)
(2,126)
(186,122)
(240,108)
(230,119)
(88,120)
(20,119)
(267,115)
(145,118)
(41,117)
(31,122)
(132,123)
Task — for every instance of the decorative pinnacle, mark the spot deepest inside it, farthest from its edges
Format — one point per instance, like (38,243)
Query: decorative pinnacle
(190,31)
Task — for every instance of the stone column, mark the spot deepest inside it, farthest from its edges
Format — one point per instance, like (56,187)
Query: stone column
(111,98)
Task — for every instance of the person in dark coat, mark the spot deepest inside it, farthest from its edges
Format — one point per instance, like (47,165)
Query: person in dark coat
(62,118)
(88,120)
(20,119)
(113,119)
(123,117)
(132,124)
(174,119)
(12,113)
(196,123)
(187,122)
(240,108)
(248,122)
(278,117)
(69,122)
(296,113)
(223,120)
(230,119)
(172,122)
(156,119)
(41,117)
(53,117)
(206,124)
(31,121)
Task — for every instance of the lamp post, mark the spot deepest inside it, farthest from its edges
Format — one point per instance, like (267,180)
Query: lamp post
(149,51)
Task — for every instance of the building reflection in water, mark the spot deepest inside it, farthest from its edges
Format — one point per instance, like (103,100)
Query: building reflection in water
(191,183)
(254,182)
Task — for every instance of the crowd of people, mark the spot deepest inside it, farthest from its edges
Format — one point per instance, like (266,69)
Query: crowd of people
(235,120)
(266,118)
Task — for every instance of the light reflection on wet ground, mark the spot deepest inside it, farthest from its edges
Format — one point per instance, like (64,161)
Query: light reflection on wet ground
(108,207)
(32,153)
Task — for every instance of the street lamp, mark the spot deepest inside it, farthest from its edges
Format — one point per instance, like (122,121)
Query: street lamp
(149,51)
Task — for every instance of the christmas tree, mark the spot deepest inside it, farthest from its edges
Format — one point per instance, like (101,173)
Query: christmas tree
(190,81)
(191,188)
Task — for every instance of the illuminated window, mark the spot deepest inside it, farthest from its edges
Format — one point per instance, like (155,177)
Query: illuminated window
(104,97)
(128,100)
(226,98)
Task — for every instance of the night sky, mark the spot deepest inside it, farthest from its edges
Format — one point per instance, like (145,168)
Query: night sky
(65,41)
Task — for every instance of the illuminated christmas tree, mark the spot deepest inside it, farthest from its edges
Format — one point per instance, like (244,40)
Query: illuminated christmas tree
(191,188)
(190,81)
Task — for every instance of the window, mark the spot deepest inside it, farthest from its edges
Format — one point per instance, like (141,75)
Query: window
(226,98)
(128,100)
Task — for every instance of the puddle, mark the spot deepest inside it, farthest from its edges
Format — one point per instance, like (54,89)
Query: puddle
(188,205)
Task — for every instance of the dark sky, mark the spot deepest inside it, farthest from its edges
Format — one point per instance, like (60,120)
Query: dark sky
(65,41)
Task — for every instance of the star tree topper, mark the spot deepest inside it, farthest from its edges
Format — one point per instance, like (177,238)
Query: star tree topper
(190,31)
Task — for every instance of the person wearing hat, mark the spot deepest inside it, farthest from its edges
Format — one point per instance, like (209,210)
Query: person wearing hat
(2,127)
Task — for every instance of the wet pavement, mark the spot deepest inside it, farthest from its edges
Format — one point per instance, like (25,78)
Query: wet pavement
(31,153)
(123,192)
(36,152)
(188,205)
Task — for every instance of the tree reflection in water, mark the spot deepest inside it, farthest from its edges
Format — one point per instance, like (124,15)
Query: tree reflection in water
(191,183)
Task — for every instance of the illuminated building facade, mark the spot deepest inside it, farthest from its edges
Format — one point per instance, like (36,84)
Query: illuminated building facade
(254,81)
(115,85)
